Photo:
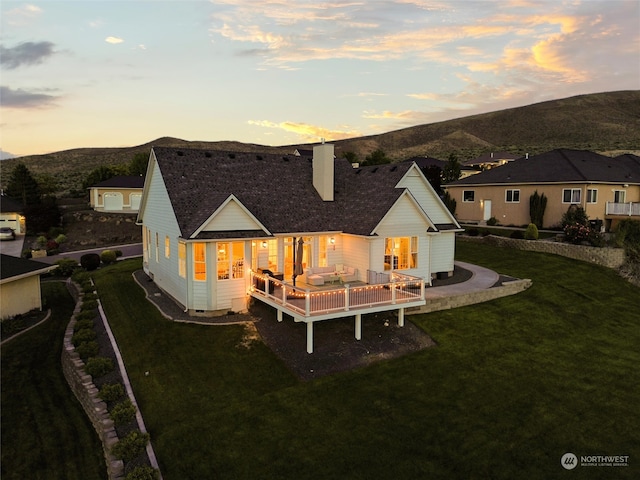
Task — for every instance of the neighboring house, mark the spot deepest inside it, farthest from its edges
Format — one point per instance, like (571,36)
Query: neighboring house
(212,220)
(20,285)
(302,152)
(490,160)
(429,162)
(11,214)
(118,194)
(607,188)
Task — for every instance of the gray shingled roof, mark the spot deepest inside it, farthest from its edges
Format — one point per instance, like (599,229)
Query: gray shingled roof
(122,181)
(561,166)
(9,205)
(11,267)
(278,190)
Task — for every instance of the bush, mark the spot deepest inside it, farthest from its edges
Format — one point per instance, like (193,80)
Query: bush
(80,276)
(473,232)
(532,232)
(83,335)
(61,238)
(41,240)
(98,366)
(110,392)
(87,315)
(89,305)
(492,221)
(66,266)
(108,257)
(90,261)
(123,412)
(142,472)
(118,253)
(87,350)
(628,236)
(517,234)
(84,323)
(130,446)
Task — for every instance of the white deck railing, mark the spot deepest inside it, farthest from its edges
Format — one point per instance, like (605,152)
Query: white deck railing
(307,302)
(623,208)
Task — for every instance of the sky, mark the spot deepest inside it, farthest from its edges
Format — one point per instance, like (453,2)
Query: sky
(89,73)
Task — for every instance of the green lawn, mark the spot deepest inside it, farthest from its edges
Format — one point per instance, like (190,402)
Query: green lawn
(45,433)
(512,386)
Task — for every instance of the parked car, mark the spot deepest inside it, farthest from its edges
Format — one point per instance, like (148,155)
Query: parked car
(7,233)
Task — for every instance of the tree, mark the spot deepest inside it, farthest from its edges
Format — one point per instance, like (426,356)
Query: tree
(433,173)
(351,157)
(452,170)
(450,202)
(100,174)
(23,187)
(378,157)
(138,165)
(537,206)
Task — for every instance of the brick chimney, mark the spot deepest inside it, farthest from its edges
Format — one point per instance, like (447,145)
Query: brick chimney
(323,170)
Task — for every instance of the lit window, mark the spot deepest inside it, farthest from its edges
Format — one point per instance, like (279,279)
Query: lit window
(468,196)
(401,253)
(571,195)
(157,247)
(512,196)
(592,195)
(182,259)
(167,247)
(199,262)
(230,260)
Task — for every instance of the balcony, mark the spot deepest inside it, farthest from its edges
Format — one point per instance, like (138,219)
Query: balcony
(628,209)
(310,305)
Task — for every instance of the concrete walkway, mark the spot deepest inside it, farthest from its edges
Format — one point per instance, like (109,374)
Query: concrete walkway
(482,279)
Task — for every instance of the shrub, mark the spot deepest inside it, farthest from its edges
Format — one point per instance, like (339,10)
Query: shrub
(87,350)
(61,238)
(142,472)
(492,221)
(90,261)
(52,246)
(87,315)
(66,266)
(123,412)
(517,234)
(84,323)
(473,232)
(532,232)
(42,240)
(628,236)
(98,366)
(83,335)
(130,446)
(88,305)
(80,276)
(88,287)
(118,253)
(26,253)
(110,392)
(108,257)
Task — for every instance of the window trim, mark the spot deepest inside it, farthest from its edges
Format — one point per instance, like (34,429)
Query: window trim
(395,256)
(464,196)
(513,192)
(571,201)
(592,192)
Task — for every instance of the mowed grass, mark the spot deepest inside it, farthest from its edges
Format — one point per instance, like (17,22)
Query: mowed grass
(512,385)
(45,433)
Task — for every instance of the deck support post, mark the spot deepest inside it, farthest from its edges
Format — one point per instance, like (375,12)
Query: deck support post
(358,326)
(309,337)
(401,317)
(279,315)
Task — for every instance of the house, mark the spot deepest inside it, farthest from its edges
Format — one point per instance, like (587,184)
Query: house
(11,214)
(118,194)
(426,163)
(490,160)
(213,221)
(20,285)
(607,188)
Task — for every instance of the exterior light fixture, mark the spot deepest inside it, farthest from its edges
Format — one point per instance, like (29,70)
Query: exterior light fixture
(332,241)
(264,244)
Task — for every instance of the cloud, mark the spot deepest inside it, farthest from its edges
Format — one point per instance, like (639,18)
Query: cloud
(22,15)
(113,40)
(20,98)
(24,54)
(307,132)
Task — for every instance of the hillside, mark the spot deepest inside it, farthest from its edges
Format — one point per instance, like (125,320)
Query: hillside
(603,122)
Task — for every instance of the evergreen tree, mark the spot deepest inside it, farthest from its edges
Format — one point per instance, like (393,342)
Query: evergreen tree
(23,187)
(537,206)
(138,165)
(452,169)
(377,157)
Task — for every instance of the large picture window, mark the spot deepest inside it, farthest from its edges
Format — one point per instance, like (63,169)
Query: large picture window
(200,261)
(230,260)
(401,253)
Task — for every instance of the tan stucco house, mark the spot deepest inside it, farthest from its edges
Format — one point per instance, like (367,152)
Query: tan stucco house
(20,285)
(120,194)
(607,188)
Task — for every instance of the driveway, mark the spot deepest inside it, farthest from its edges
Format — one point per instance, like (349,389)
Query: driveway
(12,247)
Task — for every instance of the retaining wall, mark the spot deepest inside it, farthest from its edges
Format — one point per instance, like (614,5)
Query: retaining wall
(471,298)
(87,394)
(606,257)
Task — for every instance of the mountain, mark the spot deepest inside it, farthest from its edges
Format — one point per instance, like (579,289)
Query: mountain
(608,123)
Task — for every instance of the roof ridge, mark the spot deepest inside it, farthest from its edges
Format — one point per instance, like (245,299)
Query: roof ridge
(563,154)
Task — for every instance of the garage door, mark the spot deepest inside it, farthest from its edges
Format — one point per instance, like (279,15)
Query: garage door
(135,201)
(113,201)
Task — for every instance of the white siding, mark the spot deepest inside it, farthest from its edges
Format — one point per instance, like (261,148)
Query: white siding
(231,217)
(443,252)
(159,218)
(426,197)
(356,253)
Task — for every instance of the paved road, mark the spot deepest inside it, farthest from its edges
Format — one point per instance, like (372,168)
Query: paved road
(128,251)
